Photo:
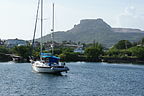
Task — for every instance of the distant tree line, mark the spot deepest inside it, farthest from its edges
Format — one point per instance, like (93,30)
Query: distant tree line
(92,52)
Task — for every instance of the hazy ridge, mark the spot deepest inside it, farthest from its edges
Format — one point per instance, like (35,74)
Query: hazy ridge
(96,29)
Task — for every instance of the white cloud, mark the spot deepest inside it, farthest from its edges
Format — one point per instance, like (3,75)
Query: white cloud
(130,10)
(131,18)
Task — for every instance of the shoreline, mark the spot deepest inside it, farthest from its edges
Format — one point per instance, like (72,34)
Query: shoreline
(123,60)
(132,60)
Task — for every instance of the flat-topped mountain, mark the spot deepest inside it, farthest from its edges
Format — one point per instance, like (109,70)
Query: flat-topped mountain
(96,29)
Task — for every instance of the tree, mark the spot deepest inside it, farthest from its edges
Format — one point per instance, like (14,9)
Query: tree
(23,51)
(123,44)
(69,56)
(142,41)
(93,53)
(113,52)
(4,50)
(138,51)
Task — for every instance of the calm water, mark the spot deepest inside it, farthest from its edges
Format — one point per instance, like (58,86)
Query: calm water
(84,79)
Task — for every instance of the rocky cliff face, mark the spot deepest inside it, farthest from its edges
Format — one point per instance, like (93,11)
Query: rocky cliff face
(91,25)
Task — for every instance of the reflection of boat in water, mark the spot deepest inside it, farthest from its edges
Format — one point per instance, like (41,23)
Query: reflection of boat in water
(47,63)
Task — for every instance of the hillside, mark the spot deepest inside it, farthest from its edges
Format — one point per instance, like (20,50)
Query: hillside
(96,29)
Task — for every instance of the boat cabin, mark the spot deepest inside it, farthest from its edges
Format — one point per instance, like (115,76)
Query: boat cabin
(49,59)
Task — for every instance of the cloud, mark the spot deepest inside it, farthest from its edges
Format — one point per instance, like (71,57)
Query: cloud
(130,10)
(131,18)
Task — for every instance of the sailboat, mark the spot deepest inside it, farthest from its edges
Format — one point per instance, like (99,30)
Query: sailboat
(48,63)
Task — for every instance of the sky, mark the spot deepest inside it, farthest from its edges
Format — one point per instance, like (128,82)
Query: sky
(17,17)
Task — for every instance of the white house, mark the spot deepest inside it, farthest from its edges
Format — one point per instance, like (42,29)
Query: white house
(15,42)
(79,49)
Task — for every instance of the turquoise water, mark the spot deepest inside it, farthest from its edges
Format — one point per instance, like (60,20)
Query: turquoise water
(83,79)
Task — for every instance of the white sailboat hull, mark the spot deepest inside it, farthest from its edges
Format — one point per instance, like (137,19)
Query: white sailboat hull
(49,69)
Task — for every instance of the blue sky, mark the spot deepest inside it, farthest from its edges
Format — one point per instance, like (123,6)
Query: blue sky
(17,17)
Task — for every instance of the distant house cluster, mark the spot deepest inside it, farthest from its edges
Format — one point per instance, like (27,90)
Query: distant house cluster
(79,49)
(10,43)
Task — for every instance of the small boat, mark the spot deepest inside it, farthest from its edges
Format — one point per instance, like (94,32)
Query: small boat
(48,63)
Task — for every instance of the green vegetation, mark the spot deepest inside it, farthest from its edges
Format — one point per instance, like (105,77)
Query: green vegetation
(123,44)
(124,50)
(23,51)
(3,52)
(137,51)
(69,56)
(94,52)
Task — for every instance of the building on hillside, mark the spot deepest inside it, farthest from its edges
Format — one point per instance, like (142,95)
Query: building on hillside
(15,42)
(79,49)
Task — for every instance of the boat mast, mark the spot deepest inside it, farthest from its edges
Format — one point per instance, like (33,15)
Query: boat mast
(52,34)
(35,28)
(41,28)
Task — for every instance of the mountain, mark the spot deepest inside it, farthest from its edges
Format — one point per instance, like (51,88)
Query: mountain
(96,29)
(127,30)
